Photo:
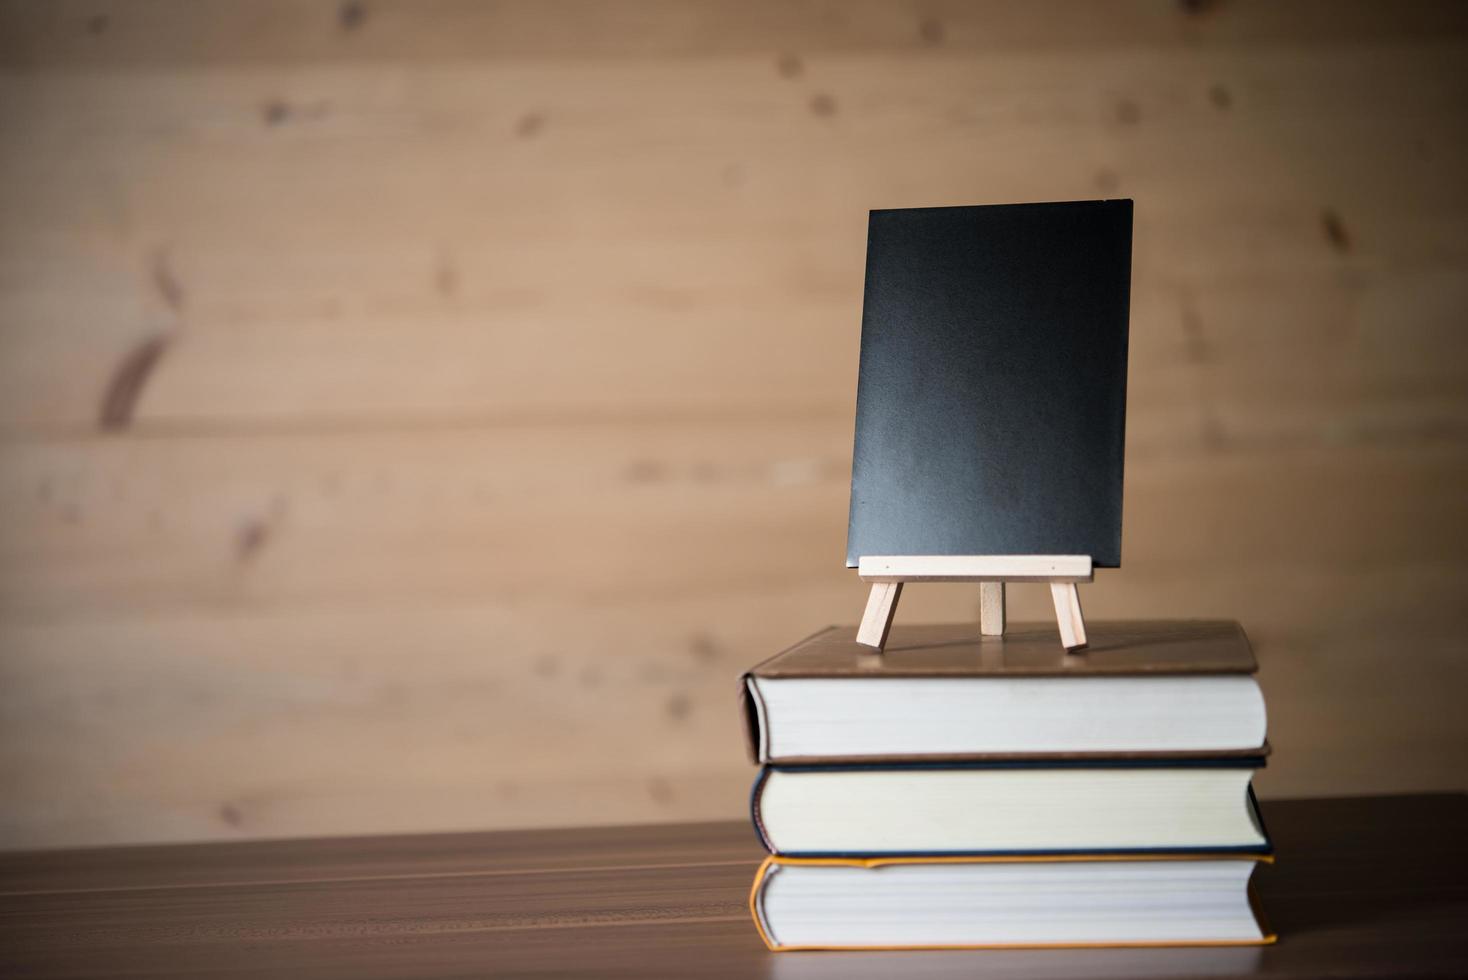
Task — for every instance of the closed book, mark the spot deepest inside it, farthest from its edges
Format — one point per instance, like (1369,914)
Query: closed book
(925,903)
(1136,806)
(943,692)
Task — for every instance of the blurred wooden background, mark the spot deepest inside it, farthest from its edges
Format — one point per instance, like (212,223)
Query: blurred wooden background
(414,415)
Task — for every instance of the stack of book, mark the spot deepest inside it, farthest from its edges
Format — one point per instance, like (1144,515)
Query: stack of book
(958,791)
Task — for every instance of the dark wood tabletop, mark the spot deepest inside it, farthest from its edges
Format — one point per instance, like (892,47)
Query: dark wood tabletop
(1363,887)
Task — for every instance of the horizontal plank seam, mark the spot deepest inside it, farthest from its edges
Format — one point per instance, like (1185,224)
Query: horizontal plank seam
(751,863)
(308,425)
(381,930)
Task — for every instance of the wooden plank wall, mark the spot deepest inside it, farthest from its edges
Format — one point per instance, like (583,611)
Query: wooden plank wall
(414,415)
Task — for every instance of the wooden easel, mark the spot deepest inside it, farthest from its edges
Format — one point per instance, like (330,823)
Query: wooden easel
(888,573)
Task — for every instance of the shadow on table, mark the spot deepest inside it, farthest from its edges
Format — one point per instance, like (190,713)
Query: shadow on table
(1379,860)
(996,964)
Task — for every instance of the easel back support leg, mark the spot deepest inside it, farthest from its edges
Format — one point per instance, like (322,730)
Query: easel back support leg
(876,623)
(1068,614)
(991,608)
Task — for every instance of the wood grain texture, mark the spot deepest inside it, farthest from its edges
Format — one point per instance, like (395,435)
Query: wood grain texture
(991,608)
(975,568)
(414,416)
(1364,887)
(876,619)
(1068,616)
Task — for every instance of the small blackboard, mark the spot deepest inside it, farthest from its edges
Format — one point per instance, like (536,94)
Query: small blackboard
(991,401)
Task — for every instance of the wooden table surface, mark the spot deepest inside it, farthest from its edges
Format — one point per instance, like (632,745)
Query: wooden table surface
(1366,886)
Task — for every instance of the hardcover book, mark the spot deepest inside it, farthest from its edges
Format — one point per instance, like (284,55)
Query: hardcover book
(1029,807)
(937,903)
(1181,689)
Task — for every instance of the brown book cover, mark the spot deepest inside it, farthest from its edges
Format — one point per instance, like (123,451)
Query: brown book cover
(1121,648)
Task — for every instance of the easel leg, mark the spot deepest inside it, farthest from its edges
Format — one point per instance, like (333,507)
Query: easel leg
(881,607)
(991,608)
(1068,614)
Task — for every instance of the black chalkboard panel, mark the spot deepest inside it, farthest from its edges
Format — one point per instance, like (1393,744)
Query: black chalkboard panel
(991,402)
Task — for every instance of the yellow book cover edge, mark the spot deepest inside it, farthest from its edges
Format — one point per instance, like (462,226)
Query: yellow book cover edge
(1266,939)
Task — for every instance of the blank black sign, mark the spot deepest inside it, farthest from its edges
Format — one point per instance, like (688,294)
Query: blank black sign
(991,403)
